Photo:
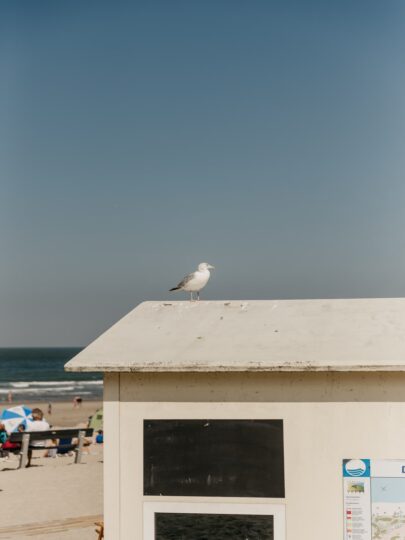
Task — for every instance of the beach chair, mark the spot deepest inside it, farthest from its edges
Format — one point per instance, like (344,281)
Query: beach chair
(100,529)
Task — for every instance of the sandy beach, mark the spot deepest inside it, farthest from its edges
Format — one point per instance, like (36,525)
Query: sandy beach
(54,499)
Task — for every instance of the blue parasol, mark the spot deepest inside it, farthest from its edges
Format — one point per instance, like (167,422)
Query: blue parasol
(13,417)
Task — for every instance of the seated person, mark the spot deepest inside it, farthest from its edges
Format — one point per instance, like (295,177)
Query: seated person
(37,424)
(3,438)
(65,447)
(13,447)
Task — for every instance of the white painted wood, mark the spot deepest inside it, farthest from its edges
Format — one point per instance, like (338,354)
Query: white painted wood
(317,437)
(332,370)
(265,386)
(259,335)
(112,461)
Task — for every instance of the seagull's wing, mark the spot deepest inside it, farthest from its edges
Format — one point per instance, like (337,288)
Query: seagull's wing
(185,280)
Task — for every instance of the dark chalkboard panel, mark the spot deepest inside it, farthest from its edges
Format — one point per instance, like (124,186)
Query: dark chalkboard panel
(214,458)
(213,526)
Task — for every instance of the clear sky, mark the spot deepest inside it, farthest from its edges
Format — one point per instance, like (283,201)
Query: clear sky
(138,139)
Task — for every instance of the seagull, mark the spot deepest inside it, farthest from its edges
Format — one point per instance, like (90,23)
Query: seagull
(195,281)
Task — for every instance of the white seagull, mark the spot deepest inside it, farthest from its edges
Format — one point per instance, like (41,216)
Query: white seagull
(195,281)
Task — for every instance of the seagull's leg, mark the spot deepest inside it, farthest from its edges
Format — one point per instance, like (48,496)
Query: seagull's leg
(198,295)
(191,297)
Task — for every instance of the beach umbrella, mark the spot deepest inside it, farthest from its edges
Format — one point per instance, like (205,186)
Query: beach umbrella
(13,417)
(96,421)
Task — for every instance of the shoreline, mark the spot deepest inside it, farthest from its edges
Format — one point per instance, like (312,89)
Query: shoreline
(16,402)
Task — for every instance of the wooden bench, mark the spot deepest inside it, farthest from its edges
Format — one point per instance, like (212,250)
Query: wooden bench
(26,438)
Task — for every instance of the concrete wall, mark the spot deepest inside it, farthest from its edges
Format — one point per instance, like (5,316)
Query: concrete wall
(327,417)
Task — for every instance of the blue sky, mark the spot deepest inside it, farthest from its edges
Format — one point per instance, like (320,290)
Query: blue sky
(138,139)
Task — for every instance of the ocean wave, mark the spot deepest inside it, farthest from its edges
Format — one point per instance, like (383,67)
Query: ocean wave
(26,384)
(51,390)
(31,390)
(69,390)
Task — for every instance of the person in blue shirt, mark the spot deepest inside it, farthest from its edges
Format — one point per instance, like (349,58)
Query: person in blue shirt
(3,435)
(100,437)
(3,439)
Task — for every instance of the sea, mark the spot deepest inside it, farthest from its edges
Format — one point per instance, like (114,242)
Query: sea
(37,374)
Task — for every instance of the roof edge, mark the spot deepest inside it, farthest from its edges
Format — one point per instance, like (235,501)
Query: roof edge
(153,368)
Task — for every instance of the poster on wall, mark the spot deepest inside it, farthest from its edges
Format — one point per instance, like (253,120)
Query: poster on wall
(374,499)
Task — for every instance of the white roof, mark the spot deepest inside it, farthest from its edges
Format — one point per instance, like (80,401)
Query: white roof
(258,335)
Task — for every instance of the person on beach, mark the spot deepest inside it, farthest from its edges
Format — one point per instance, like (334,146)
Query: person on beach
(38,424)
(13,447)
(3,441)
(3,435)
(77,401)
(10,396)
(49,408)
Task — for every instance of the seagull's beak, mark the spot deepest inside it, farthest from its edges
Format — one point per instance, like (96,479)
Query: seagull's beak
(210,267)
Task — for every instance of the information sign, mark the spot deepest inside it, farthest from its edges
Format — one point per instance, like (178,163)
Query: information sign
(374,499)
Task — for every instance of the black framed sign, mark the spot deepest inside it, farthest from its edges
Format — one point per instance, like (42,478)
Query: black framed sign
(221,521)
(172,526)
(214,458)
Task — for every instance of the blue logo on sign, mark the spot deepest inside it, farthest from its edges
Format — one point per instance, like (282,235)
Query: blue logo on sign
(356,467)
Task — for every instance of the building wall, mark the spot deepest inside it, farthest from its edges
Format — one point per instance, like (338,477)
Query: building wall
(327,417)
(112,458)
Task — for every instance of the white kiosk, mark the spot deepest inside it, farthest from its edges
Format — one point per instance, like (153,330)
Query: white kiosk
(259,420)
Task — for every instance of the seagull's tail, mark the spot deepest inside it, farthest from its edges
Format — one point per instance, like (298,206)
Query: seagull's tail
(174,289)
